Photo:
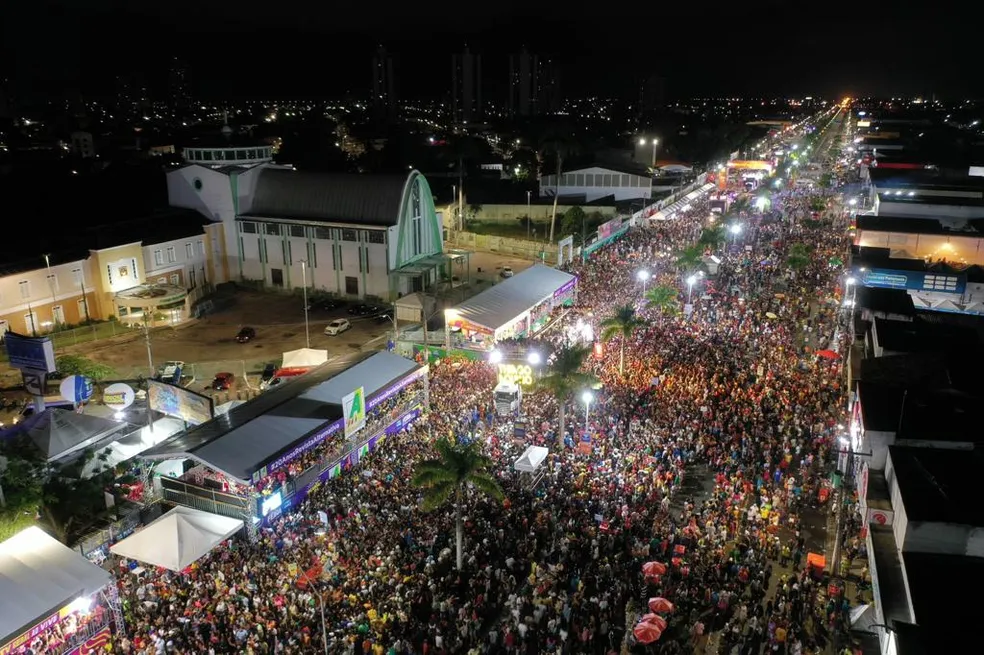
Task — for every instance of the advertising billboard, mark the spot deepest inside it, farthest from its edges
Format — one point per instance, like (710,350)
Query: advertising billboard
(914,280)
(609,228)
(33,353)
(354,411)
(180,403)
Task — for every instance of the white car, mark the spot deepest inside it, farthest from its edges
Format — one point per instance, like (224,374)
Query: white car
(337,326)
(506,271)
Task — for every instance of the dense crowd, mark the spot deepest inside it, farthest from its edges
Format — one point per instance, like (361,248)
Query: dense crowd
(703,455)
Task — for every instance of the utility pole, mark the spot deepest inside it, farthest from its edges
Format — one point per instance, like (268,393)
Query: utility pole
(307,329)
(150,364)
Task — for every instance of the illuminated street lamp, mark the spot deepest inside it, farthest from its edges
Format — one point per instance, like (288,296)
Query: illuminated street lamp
(655,142)
(533,358)
(644,278)
(735,231)
(495,357)
(691,281)
(587,398)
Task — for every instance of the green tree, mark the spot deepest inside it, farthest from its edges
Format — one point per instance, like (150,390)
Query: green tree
(799,256)
(740,205)
(449,474)
(78,365)
(663,299)
(566,377)
(623,323)
(713,236)
(561,146)
(475,209)
(690,258)
(573,222)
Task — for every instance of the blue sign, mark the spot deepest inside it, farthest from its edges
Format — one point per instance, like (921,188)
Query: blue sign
(32,353)
(76,388)
(915,280)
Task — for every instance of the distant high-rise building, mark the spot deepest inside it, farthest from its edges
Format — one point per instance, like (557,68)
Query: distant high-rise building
(131,96)
(534,85)
(651,94)
(179,91)
(383,85)
(523,83)
(466,87)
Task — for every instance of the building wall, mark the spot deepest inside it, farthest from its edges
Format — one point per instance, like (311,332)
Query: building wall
(596,183)
(202,189)
(62,299)
(512,213)
(935,247)
(216,260)
(181,262)
(114,270)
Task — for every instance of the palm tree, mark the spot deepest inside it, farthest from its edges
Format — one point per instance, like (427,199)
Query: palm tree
(690,258)
(713,236)
(663,299)
(565,377)
(799,256)
(622,323)
(561,145)
(456,466)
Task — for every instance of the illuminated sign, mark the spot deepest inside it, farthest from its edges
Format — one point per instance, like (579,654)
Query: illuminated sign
(270,503)
(864,123)
(521,374)
(354,411)
(178,402)
(751,165)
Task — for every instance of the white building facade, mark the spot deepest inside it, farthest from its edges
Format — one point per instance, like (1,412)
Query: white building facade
(594,183)
(348,235)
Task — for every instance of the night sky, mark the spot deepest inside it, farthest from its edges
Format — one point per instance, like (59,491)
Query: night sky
(289,48)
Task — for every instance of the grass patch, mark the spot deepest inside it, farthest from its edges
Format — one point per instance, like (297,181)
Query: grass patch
(512,230)
(15,519)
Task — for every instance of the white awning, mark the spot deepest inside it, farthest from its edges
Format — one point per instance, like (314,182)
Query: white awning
(304,357)
(38,576)
(178,539)
(531,459)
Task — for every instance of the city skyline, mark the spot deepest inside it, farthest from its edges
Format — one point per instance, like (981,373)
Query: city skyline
(299,52)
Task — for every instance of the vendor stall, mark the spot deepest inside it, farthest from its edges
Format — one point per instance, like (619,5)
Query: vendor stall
(52,599)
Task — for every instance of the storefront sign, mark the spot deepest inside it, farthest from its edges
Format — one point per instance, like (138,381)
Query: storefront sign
(39,628)
(914,280)
(521,374)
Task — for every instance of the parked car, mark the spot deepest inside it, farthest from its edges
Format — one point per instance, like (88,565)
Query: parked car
(337,326)
(223,381)
(325,304)
(268,372)
(246,334)
(364,309)
(506,271)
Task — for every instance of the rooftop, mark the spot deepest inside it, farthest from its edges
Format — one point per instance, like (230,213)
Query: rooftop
(886,301)
(919,336)
(358,199)
(253,434)
(914,225)
(158,227)
(932,577)
(923,199)
(939,485)
(923,178)
(499,305)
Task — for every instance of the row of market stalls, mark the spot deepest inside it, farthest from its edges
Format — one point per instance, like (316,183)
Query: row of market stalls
(264,456)
(683,204)
(520,306)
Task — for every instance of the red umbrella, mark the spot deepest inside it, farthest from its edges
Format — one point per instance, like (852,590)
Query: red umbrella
(827,354)
(646,633)
(655,619)
(654,568)
(660,605)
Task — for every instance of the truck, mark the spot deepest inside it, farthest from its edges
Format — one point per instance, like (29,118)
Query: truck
(508,398)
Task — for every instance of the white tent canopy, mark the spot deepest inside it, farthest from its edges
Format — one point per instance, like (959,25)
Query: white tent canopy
(305,357)
(178,539)
(38,576)
(531,459)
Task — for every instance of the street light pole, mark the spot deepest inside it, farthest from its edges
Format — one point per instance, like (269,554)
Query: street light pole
(307,329)
(529,219)
(51,287)
(587,397)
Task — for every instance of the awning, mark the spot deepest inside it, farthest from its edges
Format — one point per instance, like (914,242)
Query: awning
(531,459)
(499,305)
(304,357)
(178,539)
(38,576)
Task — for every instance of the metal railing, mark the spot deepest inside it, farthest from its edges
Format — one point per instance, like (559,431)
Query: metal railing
(207,500)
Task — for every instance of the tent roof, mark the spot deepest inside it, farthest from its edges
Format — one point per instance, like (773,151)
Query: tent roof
(60,432)
(500,304)
(305,357)
(178,539)
(253,434)
(531,459)
(38,576)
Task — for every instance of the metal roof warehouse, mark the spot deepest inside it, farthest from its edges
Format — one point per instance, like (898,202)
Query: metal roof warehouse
(243,441)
